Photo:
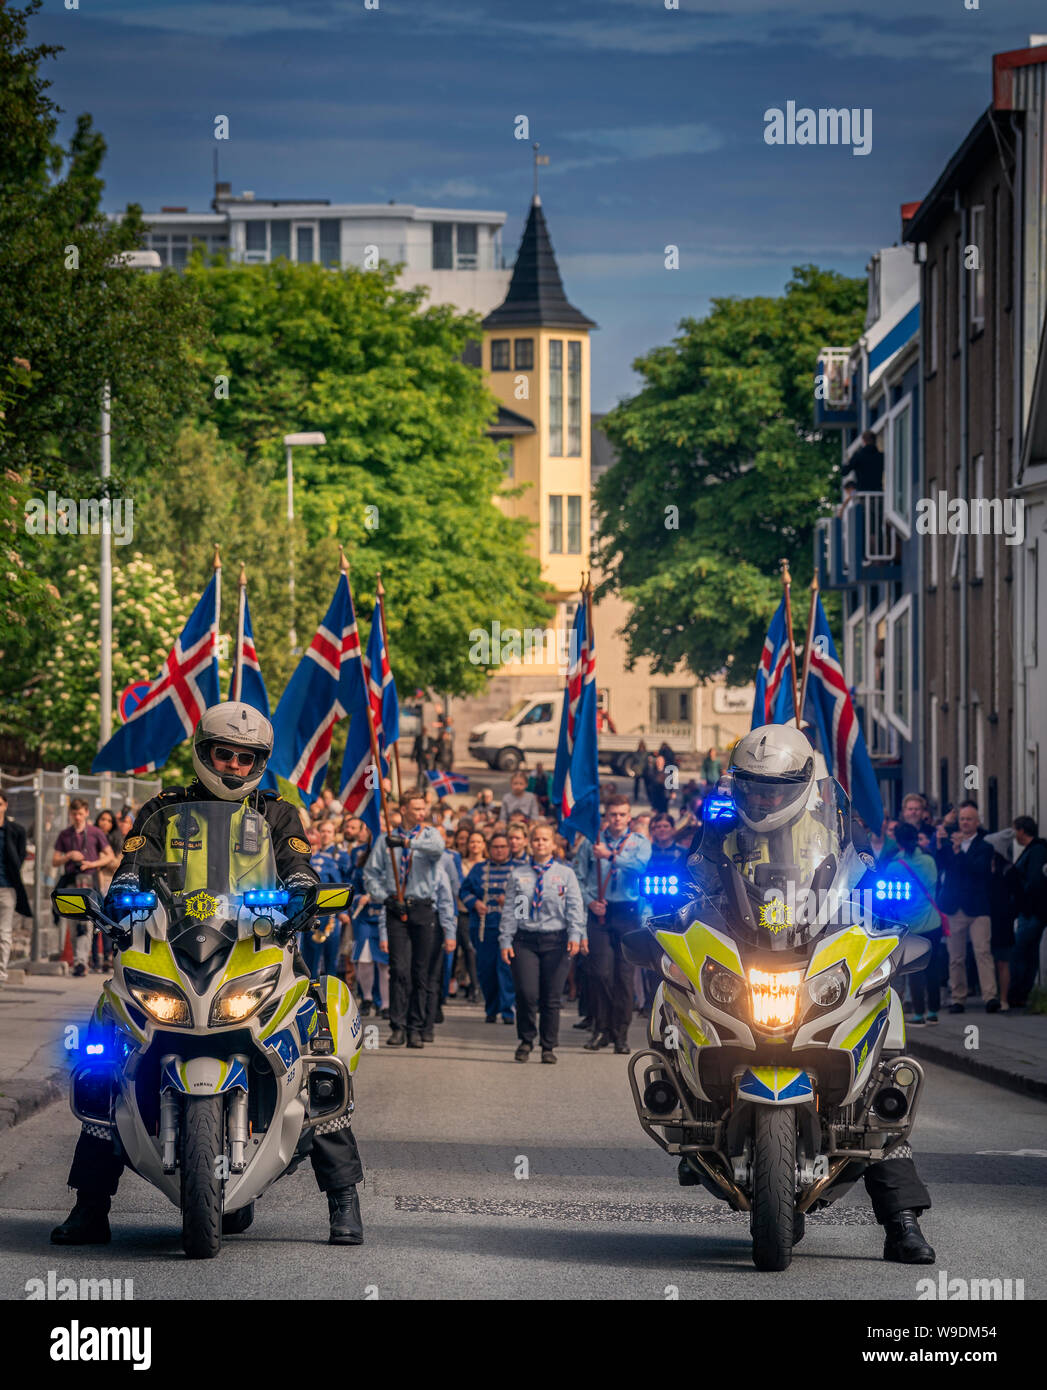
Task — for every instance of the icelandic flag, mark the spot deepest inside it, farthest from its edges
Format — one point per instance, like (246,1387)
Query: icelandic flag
(447,782)
(381,688)
(317,696)
(828,707)
(359,792)
(186,686)
(246,683)
(774,703)
(576,777)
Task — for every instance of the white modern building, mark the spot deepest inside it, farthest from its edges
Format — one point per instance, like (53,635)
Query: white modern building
(455,253)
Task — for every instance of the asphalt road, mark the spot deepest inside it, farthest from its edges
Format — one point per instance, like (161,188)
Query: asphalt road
(443,1134)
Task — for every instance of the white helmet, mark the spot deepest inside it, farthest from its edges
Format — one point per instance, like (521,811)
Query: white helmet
(233,725)
(772,771)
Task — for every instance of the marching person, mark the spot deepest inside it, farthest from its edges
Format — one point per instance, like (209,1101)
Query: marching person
(13,897)
(411,924)
(610,873)
(370,958)
(517,837)
(542,927)
(319,943)
(518,801)
(231,747)
(483,894)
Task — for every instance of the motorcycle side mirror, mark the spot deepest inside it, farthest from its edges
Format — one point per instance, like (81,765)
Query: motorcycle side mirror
(641,948)
(912,955)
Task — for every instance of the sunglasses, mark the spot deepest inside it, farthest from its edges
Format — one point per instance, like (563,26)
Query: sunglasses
(234,755)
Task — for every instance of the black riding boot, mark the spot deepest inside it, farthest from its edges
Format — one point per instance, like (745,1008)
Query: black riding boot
(86,1224)
(904,1242)
(347,1227)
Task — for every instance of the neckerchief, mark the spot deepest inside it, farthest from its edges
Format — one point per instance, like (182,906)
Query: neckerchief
(405,856)
(540,870)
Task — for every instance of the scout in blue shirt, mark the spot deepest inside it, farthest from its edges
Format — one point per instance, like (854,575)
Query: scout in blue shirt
(482,893)
(542,926)
(610,873)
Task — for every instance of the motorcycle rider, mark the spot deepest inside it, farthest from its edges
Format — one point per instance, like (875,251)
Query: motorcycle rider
(777,797)
(231,748)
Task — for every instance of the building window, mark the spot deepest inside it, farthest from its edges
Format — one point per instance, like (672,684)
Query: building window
(304,248)
(976,285)
(524,354)
(505,453)
(443,245)
(932,541)
(330,241)
(465,255)
(899,666)
(254,232)
(960,273)
(574,400)
(574,526)
(854,651)
(179,255)
(556,398)
(499,354)
(280,239)
(555,525)
(898,467)
(979,539)
(671,706)
(932,319)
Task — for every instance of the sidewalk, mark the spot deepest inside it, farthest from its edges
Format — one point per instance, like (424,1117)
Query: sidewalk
(34,1059)
(1008,1049)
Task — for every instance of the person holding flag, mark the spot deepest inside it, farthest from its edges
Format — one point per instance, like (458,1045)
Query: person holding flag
(609,868)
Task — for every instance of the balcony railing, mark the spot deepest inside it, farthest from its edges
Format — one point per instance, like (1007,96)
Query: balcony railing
(833,363)
(857,544)
(880,540)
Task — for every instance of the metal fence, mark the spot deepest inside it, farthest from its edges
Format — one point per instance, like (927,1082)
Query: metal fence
(40,801)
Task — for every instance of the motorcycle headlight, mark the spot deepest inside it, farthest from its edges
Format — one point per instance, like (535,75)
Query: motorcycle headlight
(774,996)
(163,1001)
(722,987)
(826,989)
(240,998)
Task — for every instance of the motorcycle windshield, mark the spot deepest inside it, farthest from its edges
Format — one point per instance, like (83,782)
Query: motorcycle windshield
(792,882)
(199,857)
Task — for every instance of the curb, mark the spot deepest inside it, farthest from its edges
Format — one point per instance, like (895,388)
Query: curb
(20,1099)
(986,1071)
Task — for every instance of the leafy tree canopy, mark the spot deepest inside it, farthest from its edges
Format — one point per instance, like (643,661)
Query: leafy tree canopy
(722,432)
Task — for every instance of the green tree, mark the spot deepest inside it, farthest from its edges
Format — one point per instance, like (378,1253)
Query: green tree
(408,475)
(719,474)
(61,706)
(67,304)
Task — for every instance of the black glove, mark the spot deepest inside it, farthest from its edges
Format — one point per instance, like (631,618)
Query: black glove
(396,841)
(396,907)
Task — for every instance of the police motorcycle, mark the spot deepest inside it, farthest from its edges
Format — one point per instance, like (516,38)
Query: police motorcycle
(775,1066)
(208,1057)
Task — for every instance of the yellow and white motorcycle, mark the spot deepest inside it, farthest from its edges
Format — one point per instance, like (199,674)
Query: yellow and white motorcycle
(209,1057)
(775,1066)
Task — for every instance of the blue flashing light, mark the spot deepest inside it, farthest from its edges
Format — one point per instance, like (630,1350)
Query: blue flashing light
(95,1049)
(893,890)
(135,900)
(719,808)
(660,885)
(266,897)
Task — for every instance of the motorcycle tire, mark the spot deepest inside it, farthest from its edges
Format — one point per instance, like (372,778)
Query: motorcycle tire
(235,1223)
(773,1222)
(203,1143)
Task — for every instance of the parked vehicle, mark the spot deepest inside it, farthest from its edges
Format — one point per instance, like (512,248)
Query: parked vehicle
(531,728)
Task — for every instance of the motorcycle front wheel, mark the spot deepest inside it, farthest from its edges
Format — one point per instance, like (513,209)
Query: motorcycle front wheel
(203,1145)
(773,1223)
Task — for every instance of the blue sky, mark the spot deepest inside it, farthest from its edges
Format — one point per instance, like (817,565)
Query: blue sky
(653,118)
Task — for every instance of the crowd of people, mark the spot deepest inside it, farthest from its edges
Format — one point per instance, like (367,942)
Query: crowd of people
(985,890)
(486,902)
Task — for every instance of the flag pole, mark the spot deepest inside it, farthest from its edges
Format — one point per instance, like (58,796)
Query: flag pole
(376,760)
(238,674)
(388,656)
(787,583)
(807,645)
(587,599)
(216,565)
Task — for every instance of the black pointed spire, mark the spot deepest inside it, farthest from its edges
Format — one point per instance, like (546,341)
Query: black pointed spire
(536,297)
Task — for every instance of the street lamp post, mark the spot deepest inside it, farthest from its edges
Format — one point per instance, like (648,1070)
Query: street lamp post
(134,260)
(290,440)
